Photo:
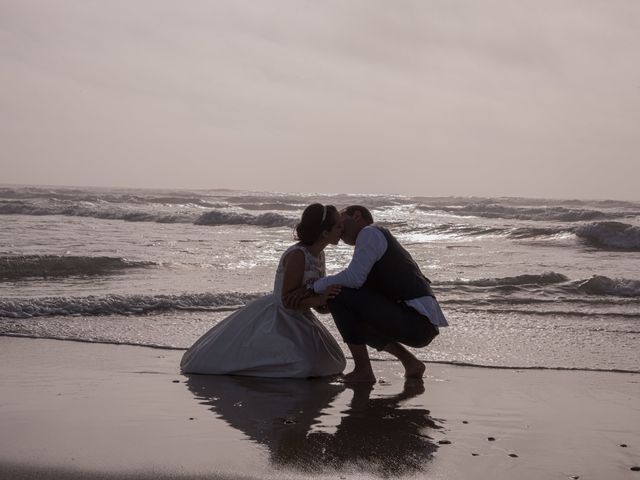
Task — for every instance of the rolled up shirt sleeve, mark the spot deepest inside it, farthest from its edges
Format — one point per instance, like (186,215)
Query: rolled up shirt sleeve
(370,246)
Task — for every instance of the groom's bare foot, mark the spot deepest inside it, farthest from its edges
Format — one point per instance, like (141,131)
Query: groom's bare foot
(358,376)
(414,369)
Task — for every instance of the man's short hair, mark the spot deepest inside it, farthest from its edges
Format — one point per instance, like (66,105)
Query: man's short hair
(364,212)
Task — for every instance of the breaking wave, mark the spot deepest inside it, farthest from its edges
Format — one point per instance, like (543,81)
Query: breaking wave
(615,235)
(478,231)
(46,266)
(121,305)
(217,217)
(606,235)
(492,210)
(272,206)
(78,196)
(214,217)
(95,211)
(552,283)
(547,278)
(601,285)
(561,313)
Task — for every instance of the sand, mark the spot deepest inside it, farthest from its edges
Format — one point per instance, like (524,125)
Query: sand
(79,410)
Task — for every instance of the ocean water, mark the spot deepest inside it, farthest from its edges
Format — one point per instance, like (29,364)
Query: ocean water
(525,283)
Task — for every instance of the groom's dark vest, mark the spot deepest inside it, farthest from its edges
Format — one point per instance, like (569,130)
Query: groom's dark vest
(396,275)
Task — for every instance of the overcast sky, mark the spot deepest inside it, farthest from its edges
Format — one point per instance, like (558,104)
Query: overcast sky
(537,98)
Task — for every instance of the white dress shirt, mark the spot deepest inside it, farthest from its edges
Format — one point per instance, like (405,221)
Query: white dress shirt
(371,244)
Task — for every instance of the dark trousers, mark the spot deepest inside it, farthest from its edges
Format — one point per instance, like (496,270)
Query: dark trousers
(366,317)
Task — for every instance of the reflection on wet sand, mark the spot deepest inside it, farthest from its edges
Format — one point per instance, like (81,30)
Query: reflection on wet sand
(380,435)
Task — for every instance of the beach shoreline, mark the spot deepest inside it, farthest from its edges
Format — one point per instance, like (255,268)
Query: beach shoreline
(80,410)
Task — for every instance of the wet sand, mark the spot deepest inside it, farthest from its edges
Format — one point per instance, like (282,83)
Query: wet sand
(93,411)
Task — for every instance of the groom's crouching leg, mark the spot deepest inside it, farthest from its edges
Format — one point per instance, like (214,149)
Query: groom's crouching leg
(343,309)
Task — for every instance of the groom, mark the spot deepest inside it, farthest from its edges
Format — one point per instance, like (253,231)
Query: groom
(385,301)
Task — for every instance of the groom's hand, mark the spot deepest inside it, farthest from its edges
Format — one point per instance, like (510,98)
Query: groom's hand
(332,291)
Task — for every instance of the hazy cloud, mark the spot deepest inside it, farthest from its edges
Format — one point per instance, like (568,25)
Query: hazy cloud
(424,97)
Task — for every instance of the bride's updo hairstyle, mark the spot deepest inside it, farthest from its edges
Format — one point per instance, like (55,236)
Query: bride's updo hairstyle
(312,223)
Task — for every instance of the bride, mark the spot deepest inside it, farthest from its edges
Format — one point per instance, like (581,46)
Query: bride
(267,339)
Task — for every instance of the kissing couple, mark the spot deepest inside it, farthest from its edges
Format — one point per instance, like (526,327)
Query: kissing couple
(381,300)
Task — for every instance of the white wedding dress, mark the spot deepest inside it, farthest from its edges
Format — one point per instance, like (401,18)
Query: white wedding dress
(265,339)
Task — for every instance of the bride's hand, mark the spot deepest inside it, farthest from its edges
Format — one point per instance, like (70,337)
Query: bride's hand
(292,299)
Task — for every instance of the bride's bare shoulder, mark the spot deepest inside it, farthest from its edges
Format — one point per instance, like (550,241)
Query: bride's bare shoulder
(294,254)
